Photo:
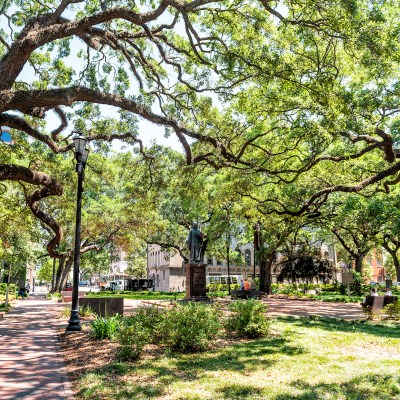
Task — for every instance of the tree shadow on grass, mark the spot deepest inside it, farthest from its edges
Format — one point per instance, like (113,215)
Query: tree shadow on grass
(337,325)
(239,391)
(244,356)
(377,387)
(239,357)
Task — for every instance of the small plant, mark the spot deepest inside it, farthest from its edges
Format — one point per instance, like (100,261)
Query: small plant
(104,328)
(132,339)
(54,297)
(392,310)
(65,312)
(248,319)
(86,311)
(191,327)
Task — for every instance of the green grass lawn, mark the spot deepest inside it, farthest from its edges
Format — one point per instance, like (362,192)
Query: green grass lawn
(305,358)
(138,295)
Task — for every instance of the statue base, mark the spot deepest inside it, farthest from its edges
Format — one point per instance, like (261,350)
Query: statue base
(196,282)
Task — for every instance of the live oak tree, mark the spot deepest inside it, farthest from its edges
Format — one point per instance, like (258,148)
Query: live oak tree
(301,87)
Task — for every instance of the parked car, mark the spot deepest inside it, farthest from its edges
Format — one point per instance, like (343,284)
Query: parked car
(83,283)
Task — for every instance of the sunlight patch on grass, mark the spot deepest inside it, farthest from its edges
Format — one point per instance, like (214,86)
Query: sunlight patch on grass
(305,359)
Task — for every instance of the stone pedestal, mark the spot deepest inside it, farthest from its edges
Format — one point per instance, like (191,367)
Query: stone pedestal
(196,282)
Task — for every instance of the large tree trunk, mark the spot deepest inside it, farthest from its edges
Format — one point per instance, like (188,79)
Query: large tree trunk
(66,271)
(262,264)
(268,273)
(57,285)
(396,260)
(359,263)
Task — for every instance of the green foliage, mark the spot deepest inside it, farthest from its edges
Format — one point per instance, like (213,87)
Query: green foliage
(392,310)
(150,319)
(220,287)
(45,272)
(3,287)
(65,312)
(132,337)
(248,319)
(305,265)
(86,311)
(54,296)
(191,327)
(105,328)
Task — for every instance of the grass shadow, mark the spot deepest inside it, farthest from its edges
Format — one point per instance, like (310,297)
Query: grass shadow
(338,325)
(377,387)
(239,358)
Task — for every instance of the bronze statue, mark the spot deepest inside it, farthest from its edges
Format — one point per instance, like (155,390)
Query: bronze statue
(195,243)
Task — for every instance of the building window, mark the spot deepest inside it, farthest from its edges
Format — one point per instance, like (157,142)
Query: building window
(163,275)
(219,262)
(209,261)
(247,257)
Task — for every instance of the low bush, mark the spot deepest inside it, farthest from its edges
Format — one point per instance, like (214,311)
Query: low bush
(190,327)
(248,319)
(392,310)
(3,287)
(55,297)
(132,338)
(151,319)
(222,287)
(105,328)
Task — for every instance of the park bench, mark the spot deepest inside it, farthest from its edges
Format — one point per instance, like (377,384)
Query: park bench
(376,303)
(246,294)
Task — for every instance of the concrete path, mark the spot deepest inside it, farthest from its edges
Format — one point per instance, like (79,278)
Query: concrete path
(31,367)
(287,307)
(298,308)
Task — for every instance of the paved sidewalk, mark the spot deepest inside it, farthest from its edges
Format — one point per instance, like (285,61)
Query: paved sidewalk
(31,367)
(300,308)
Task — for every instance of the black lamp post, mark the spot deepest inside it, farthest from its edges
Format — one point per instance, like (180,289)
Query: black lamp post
(81,155)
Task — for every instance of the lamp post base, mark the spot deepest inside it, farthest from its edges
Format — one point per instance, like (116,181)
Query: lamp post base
(74,324)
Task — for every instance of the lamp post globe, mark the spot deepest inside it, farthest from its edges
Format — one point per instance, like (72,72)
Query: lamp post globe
(81,155)
(80,143)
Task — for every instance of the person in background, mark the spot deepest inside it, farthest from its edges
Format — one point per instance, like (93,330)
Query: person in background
(388,291)
(373,292)
(246,285)
(27,288)
(241,284)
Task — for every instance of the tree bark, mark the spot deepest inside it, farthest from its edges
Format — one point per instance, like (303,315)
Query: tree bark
(57,285)
(393,253)
(66,271)
(359,263)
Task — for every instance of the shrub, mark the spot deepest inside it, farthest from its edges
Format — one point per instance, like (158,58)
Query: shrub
(392,310)
(151,319)
(132,339)
(3,287)
(248,319)
(191,327)
(104,328)
(55,297)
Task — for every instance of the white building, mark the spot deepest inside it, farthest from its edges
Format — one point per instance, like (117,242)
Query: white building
(168,271)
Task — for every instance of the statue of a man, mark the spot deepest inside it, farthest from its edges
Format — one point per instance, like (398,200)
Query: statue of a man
(195,242)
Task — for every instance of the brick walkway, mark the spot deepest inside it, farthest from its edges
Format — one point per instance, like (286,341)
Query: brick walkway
(31,366)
